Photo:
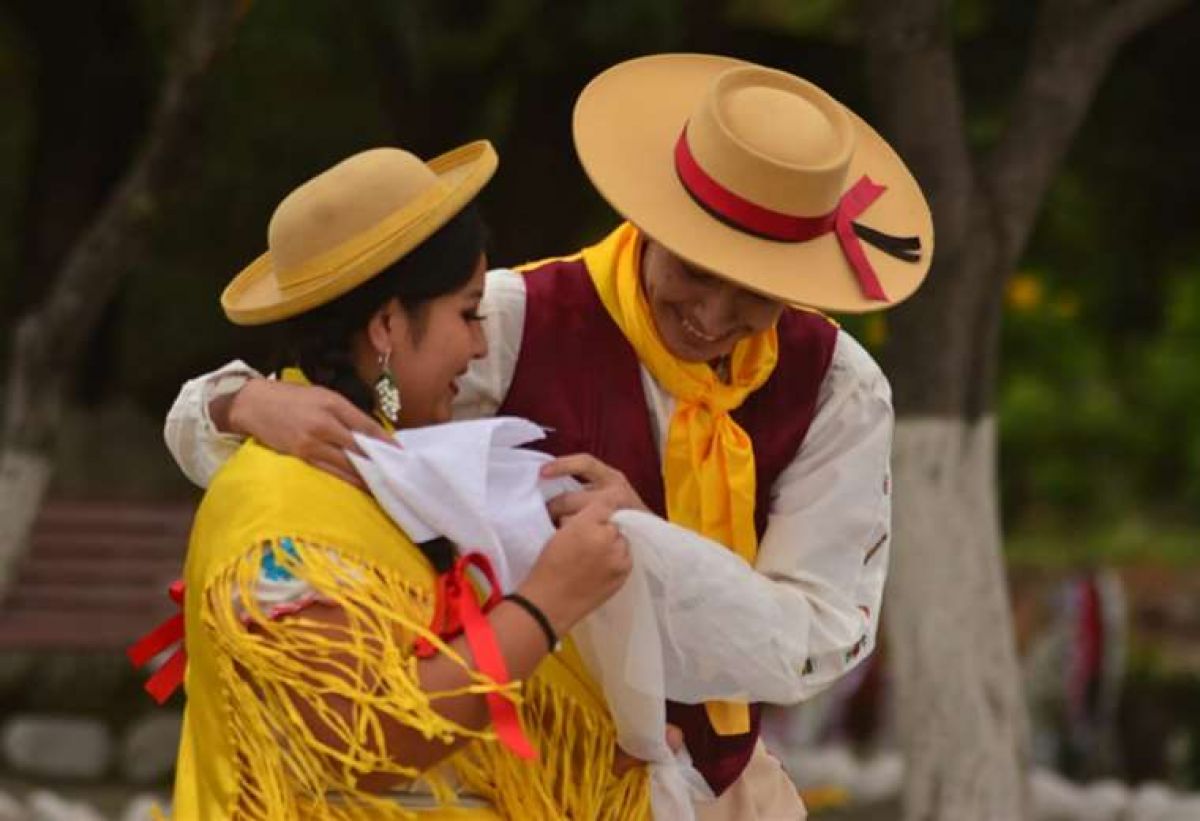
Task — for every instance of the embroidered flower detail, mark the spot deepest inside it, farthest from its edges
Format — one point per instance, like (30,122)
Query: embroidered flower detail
(272,570)
(854,651)
(875,548)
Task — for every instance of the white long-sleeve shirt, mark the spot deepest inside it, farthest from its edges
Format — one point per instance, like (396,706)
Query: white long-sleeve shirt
(827,539)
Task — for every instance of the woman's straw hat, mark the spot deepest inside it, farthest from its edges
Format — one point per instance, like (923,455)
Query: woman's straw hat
(344,226)
(757,176)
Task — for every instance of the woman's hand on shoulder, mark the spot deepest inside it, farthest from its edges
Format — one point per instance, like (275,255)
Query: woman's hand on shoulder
(309,422)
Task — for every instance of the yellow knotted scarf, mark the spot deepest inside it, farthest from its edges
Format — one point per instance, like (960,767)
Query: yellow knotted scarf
(708,467)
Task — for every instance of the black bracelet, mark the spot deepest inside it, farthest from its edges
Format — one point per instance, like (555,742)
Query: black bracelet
(538,616)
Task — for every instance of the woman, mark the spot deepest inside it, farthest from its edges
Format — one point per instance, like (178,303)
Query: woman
(306,605)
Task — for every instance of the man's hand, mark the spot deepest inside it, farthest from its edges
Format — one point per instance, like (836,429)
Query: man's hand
(309,422)
(602,483)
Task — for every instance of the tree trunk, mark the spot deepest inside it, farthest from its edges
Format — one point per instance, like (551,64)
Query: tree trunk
(24,477)
(958,699)
(94,88)
(959,707)
(51,339)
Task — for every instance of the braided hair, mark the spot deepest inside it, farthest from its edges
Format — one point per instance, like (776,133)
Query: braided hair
(319,342)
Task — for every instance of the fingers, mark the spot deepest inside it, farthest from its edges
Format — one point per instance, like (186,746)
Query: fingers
(332,459)
(597,514)
(623,762)
(340,420)
(597,503)
(597,477)
(580,465)
(612,497)
(564,506)
(350,476)
(593,520)
(330,432)
(674,738)
(356,421)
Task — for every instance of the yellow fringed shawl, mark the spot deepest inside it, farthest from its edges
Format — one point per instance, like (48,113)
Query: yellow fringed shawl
(247,753)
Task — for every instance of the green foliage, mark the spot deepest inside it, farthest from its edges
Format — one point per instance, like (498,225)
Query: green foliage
(1100,427)
(1062,423)
(972,18)
(1131,540)
(833,19)
(1169,386)
(1100,406)
(1095,427)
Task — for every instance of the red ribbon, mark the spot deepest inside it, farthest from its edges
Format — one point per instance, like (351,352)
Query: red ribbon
(458,611)
(755,219)
(166,679)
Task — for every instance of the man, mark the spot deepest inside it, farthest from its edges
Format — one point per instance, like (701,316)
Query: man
(673,372)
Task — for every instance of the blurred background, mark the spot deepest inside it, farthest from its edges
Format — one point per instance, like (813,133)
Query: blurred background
(114,278)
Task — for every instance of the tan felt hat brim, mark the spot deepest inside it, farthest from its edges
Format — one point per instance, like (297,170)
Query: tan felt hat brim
(254,297)
(626,125)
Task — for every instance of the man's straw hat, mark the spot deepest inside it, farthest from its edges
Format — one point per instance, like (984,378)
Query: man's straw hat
(757,176)
(349,223)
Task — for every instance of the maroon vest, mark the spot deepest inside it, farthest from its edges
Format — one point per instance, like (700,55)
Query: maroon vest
(578,375)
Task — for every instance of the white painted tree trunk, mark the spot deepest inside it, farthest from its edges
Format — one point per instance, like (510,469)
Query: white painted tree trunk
(24,477)
(958,702)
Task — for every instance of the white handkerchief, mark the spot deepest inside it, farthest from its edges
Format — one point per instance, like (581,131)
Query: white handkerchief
(692,623)
(470,482)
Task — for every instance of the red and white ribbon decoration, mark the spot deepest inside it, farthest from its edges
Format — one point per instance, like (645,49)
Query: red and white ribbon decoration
(755,219)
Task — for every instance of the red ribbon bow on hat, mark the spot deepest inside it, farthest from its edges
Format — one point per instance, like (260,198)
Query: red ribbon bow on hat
(752,218)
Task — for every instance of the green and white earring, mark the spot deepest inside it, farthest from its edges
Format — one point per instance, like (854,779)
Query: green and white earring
(387,392)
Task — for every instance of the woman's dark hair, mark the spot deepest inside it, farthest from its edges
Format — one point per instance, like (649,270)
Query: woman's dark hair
(319,341)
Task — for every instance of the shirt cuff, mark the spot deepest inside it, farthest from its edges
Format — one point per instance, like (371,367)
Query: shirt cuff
(225,381)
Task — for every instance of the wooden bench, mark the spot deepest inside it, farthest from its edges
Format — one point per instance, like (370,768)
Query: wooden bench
(95,576)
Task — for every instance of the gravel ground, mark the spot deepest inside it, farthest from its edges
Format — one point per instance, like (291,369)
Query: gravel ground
(886,811)
(112,801)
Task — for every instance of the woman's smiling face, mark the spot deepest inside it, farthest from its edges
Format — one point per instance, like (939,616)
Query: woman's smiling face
(432,349)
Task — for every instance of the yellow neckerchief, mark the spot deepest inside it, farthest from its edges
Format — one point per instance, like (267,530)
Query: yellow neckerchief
(708,464)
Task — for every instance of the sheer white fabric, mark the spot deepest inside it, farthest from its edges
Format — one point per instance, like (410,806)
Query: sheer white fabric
(693,623)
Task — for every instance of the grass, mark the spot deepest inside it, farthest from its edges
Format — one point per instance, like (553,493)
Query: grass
(1129,542)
